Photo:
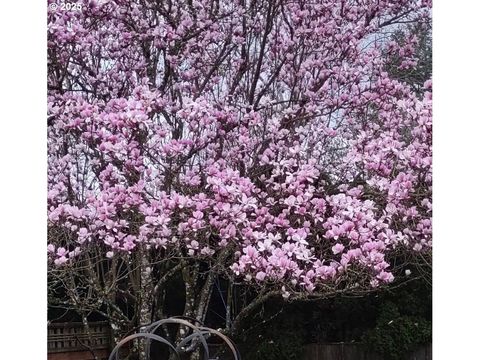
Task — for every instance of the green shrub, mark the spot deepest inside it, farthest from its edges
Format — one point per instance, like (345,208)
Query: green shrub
(286,346)
(281,338)
(395,334)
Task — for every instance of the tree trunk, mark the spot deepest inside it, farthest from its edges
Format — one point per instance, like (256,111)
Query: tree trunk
(89,334)
(145,298)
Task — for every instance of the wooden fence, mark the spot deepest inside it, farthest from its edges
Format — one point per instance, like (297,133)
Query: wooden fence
(344,351)
(70,341)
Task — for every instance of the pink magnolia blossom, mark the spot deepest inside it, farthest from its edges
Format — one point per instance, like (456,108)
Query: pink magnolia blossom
(337,248)
(260,276)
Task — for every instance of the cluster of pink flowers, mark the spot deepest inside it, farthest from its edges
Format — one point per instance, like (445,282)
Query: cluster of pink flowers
(277,137)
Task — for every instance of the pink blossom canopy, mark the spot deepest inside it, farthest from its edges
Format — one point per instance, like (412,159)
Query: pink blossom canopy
(269,131)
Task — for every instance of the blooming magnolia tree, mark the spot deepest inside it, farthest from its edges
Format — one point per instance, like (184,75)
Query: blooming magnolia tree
(260,141)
